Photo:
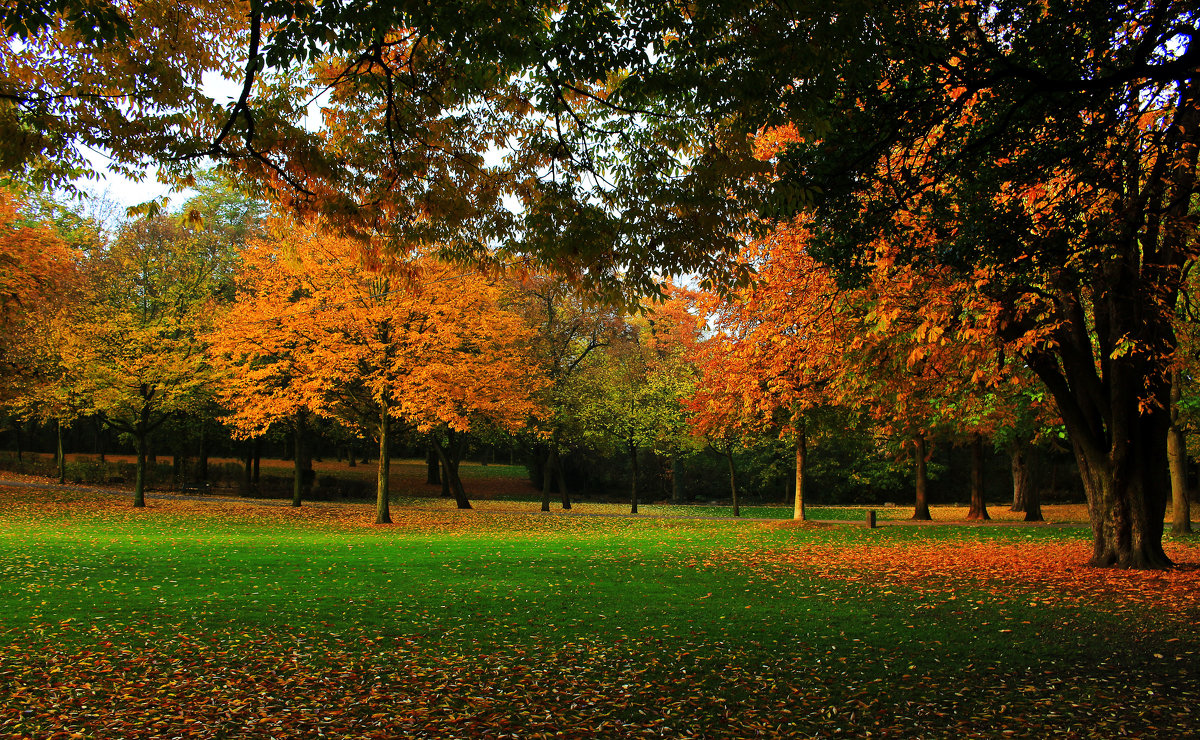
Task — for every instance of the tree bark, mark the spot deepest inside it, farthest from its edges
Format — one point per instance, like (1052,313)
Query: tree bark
(798,513)
(1177,457)
(978,510)
(302,461)
(562,482)
(1020,474)
(451,455)
(248,469)
(383,514)
(139,481)
(921,511)
(1026,497)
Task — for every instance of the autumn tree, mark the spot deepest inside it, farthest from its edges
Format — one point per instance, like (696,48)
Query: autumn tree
(133,349)
(39,286)
(568,329)
(372,343)
(630,402)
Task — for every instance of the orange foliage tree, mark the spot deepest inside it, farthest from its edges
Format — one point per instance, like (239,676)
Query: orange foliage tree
(320,326)
(39,282)
(775,348)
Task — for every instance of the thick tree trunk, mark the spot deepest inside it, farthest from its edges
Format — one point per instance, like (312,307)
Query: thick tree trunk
(383,514)
(633,483)
(256,460)
(733,491)
(978,510)
(451,455)
(1020,475)
(1127,506)
(798,513)
(1177,457)
(921,511)
(562,482)
(1026,497)
(18,427)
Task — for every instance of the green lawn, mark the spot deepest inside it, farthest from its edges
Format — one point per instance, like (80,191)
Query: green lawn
(242,620)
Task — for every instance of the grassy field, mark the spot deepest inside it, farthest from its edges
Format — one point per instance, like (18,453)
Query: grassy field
(224,619)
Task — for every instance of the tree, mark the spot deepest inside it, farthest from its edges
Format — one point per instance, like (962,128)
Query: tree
(121,78)
(371,346)
(39,286)
(568,330)
(630,402)
(133,348)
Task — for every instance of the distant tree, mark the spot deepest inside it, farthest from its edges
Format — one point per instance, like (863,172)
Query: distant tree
(133,349)
(371,343)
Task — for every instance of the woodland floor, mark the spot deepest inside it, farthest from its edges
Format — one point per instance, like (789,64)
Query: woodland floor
(224,618)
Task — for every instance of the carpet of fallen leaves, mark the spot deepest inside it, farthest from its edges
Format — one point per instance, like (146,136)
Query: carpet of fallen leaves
(170,679)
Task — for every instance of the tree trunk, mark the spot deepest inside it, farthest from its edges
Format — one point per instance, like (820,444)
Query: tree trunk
(451,455)
(633,489)
(676,471)
(1119,439)
(921,512)
(139,481)
(62,458)
(562,482)
(1020,474)
(978,510)
(351,457)
(256,460)
(737,511)
(18,428)
(1177,458)
(383,514)
(299,458)
(1025,491)
(798,513)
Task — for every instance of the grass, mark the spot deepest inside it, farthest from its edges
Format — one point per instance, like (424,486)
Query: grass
(234,619)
